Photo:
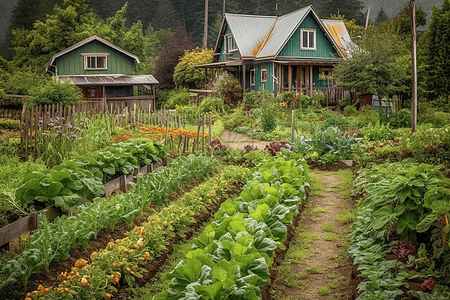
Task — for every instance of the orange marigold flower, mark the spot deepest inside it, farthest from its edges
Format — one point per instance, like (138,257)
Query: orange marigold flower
(156,219)
(125,239)
(107,295)
(115,278)
(66,290)
(28,298)
(117,241)
(34,293)
(110,245)
(147,256)
(213,193)
(80,263)
(171,222)
(84,282)
(165,223)
(127,251)
(128,270)
(64,282)
(63,276)
(93,254)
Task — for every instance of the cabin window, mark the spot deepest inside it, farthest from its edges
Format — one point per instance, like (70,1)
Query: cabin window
(95,61)
(252,77)
(263,75)
(308,39)
(231,43)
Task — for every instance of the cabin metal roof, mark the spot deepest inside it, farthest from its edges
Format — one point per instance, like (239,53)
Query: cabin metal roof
(265,36)
(340,35)
(113,80)
(87,41)
(283,29)
(249,31)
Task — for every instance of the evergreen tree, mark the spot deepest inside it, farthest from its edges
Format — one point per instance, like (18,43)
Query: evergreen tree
(214,29)
(177,44)
(439,56)
(165,16)
(381,17)
(403,20)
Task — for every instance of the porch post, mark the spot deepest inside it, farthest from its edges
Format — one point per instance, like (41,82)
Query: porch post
(290,78)
(243,77)
(310,80)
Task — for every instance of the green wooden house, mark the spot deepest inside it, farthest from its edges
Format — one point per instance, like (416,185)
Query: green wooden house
(295,52)
(104,72)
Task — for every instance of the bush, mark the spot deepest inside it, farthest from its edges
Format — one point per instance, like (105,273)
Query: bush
(230,90)
(62,91)
(185,73)
(349,110)
(435,118)
(346,101)
(2,95)
(269,116)
(401,119)
(305,101)
(9,124)
(287,97)
(252,98)
(177,97)
(236,119)
(318,97)
(210,104)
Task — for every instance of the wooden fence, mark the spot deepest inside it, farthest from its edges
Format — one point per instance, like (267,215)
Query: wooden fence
(29,223)
(11,107)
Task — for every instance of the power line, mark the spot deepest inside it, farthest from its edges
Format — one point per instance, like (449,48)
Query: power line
(401,7)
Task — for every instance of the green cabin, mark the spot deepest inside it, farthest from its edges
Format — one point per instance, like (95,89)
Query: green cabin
(103,71)
(295,52)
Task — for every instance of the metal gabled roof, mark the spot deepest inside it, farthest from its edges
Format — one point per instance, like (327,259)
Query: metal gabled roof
(87,41)
(340,34)
(111,80)
(249,31)
(284,28)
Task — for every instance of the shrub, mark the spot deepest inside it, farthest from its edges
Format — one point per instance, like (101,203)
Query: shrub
(178,97)
(236,119)
(269,116)
(287,97)
(435,118)
(305,101)
(53,92)
(230,90)
(346,101)
(349,110)
(401,119)
(318,97)
(252,98)
(9,124)
(2,95)
(211,104)
(185,73)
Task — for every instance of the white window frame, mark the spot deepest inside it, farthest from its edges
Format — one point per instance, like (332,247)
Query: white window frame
(252,77)
(309,31)
(87,56)
(262,77)
(230,43)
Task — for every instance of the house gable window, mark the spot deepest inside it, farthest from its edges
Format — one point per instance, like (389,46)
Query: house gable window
(308,39)
(263,75)
(231,43)
(252,77)
(95,61)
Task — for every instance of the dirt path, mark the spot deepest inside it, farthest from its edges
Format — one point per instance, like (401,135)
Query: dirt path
(239,141)
(316,265)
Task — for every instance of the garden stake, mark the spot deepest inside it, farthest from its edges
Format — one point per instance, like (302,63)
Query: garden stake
(209,125)
(203,134)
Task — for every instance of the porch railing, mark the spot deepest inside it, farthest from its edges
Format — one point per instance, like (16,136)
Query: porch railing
(333,94)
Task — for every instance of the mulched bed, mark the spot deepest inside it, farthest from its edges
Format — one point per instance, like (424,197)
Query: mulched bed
(50,278)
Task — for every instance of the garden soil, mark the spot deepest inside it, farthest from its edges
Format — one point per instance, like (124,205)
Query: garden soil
(238,141)
(329,257)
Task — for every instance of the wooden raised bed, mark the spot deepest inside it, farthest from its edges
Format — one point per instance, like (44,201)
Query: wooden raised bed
(26,224)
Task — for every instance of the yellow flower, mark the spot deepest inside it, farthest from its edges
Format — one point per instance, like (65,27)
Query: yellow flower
(156,219)
(66,290)
(213,193)
(171,222)
(147,256)
(63,276)
(165,223)
(93,254)
(110,245)
(107,295)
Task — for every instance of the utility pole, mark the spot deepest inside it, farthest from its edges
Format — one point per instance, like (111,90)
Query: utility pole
(205,34)
(367,20)
(414,67)
(224,7)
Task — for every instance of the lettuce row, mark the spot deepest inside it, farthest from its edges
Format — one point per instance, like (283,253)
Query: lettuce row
(83,177)
(53,241)
(231,258)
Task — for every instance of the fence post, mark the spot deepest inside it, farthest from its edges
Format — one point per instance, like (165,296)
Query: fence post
(292,126)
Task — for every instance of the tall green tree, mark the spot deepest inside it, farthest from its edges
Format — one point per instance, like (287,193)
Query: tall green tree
(402,21)
(380,66)
(438,56)
(165,16)
(381,16)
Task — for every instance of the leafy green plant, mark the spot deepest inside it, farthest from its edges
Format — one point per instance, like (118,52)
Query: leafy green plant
(230,90)
(53,92)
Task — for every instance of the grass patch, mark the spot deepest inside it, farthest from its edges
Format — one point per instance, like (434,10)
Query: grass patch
(320,210)
(331,237)
(316,185)
(313,270)
(324,290)
(328,227)
(346,217)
